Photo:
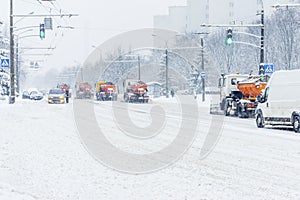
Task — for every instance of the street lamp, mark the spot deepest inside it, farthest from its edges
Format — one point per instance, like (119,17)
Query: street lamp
(32,12)
(17,59)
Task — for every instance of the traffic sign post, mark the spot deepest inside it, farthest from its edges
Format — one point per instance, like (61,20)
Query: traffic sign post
(48,23)
(269,68)
(5,63)
(202,74)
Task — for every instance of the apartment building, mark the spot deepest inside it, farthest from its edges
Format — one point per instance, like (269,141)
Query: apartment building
(189,18)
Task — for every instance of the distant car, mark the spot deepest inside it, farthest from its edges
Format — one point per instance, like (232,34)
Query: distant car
(44,92)
(25,95)
(35,95)
(56,96)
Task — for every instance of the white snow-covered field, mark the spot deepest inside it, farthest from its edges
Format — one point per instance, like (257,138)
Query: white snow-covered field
(43,157)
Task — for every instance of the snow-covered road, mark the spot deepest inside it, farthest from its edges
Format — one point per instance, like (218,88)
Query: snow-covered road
(42,156)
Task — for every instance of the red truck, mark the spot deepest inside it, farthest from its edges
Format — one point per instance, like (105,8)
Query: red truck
(106,91)
(84,90)
(135,91)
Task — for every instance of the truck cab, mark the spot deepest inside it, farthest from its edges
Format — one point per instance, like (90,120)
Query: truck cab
(228,86)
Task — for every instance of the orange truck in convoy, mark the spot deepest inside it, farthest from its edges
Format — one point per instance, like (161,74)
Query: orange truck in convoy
(84,90)
(239,93)
(135,91)
(106,91)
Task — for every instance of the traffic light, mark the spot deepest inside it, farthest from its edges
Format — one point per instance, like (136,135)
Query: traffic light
(229,39)
(42,31)
(261,70)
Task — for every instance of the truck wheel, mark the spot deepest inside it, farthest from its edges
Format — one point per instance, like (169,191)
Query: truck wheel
(260,123)
(222,104)
(241,113)
(226,109)
(296,124)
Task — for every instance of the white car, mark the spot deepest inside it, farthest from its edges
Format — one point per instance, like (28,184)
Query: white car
(56,96)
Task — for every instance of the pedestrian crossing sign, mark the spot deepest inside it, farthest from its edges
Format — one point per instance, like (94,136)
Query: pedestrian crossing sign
(5,63)
(269,68)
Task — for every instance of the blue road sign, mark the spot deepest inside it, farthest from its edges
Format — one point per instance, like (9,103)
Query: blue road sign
(269,68)
(202,74)
(5,63)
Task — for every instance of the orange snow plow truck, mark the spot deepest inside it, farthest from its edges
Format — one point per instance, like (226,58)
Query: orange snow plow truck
(106,91)
(135,91)
(239,93)
(83,90)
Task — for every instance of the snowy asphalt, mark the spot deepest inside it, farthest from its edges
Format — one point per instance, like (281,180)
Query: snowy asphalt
(42,156)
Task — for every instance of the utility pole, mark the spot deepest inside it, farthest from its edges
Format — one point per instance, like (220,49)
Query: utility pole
(262,34)
(12,63)
(202,63)
(262,38)
(139,66)
(202,68)
(167,89)
(17,68)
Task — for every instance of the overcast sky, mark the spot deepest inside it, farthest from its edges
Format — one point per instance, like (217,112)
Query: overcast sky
(98,21)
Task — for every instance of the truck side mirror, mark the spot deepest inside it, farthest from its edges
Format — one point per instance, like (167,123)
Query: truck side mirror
(234,81)
(221,80)
(259,99)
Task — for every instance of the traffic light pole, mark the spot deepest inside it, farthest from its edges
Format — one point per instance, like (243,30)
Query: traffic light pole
(262,34)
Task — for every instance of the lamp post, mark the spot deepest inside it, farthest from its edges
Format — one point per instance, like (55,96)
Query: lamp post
(17,59)
(32,12)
